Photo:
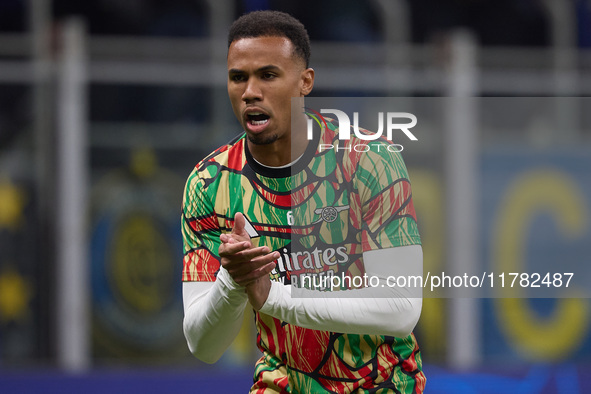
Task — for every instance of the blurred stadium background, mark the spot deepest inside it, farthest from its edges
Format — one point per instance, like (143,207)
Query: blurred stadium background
(105,107)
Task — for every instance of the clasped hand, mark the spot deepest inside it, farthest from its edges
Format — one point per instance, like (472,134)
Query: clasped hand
(247,265)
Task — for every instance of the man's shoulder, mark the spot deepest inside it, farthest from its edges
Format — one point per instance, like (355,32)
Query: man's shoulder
(225,152)
(228,157)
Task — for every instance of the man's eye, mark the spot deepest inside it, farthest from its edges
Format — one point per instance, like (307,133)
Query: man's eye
(268,76)
(237,78)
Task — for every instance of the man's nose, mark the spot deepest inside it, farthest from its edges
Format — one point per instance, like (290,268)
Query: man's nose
(252,91)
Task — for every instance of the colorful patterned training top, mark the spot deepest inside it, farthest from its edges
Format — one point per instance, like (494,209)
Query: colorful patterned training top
(339,199)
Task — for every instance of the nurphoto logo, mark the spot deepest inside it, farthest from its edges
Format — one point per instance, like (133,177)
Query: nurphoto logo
(345,129)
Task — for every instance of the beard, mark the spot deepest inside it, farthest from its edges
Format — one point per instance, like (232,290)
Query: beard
(261,139)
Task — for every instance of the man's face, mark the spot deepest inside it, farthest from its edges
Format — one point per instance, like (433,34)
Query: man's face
(263,76)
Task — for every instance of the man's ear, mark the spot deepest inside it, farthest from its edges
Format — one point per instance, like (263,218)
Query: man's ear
(307,81)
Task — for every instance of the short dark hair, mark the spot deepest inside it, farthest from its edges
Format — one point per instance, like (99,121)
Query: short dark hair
(272,24)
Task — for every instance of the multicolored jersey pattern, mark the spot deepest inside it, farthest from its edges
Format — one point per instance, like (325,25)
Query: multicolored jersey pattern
(321,214)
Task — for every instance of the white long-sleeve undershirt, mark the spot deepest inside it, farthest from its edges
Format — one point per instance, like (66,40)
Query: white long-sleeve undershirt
(214,310)
(213,315)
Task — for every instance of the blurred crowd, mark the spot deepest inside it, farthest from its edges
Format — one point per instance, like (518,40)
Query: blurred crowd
(495,22)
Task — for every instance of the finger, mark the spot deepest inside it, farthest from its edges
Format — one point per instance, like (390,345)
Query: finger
(229,249)
(233,238)
(263,259)
(239,225)
(239,269)
(241,251)
(253,276)
(252,253)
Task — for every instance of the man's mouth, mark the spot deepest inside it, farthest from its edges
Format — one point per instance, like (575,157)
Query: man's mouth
(257,118)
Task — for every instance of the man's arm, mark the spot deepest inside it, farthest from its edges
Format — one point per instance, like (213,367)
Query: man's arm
(214,310)
(395,311)
(213,315)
